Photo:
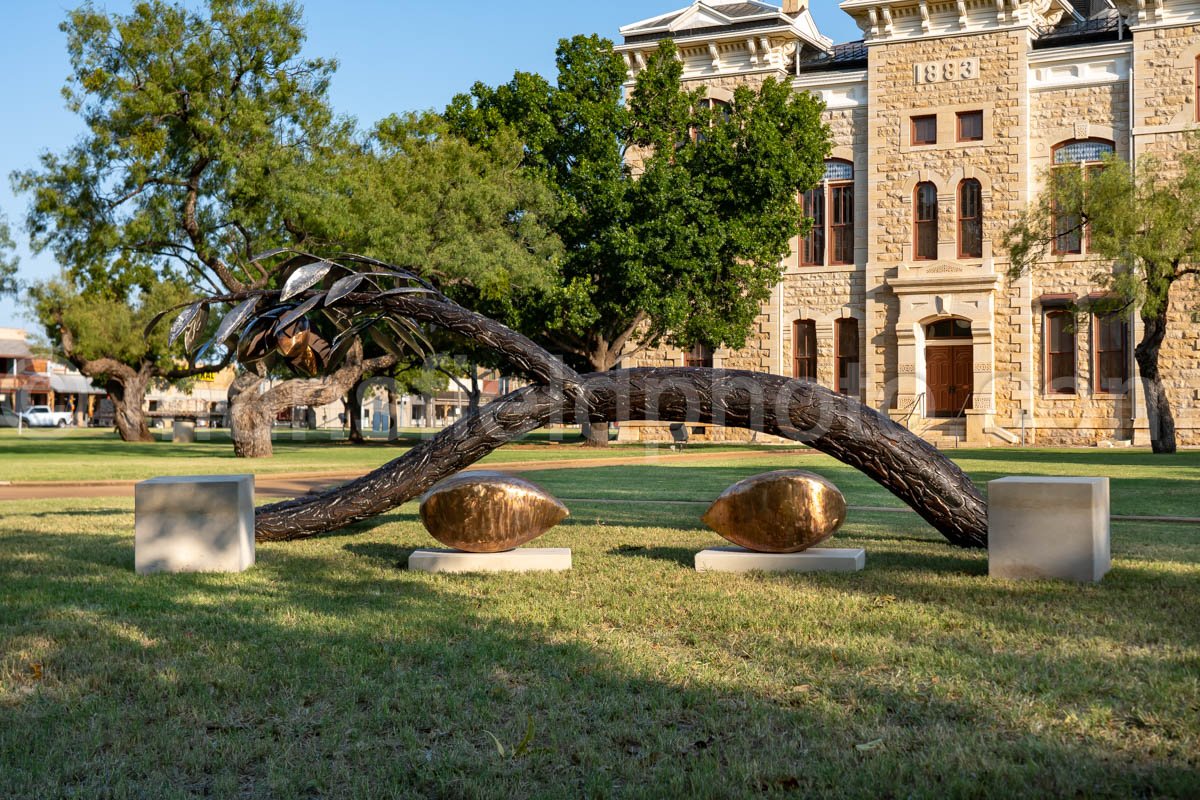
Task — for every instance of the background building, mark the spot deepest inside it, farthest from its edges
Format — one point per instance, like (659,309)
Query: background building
(945,118)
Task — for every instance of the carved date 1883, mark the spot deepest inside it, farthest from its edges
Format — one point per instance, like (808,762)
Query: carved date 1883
(955,69)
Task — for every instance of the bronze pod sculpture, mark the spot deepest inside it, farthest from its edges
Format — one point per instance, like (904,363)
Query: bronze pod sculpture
(489,512)
(787,511)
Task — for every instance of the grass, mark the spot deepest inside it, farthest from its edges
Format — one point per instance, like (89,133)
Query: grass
(330,671)
(1142,484)
(74,455)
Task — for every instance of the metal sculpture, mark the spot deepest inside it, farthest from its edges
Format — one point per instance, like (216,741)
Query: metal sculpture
(356,297)
(787,511)
(489,512)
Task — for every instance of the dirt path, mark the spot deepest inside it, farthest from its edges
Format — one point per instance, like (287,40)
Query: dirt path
(295,484)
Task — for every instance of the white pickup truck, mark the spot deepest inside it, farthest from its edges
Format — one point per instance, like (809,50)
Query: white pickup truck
(43,417)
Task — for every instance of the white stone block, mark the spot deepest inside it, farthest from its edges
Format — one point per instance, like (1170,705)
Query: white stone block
(1049,528)
(194,524)
(523,559)
(819,559)
(183,431)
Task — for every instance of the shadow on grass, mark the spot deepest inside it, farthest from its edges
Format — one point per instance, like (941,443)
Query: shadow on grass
(391,555)
(683,556)
(322,675)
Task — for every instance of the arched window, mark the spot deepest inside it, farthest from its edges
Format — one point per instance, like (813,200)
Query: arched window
(804,349)
(948,329)
(830,205)
(925,216)
(1087,155)
(849,374)
(970,219)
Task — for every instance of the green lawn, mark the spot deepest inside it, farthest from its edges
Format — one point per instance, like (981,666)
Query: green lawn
(330,671)
(1142,484)
(74,455)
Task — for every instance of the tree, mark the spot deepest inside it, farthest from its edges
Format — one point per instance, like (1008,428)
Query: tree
(412,194)
(210,139)
(674,216)
(105,338)
(1146,223)
(190,117)
(8,260)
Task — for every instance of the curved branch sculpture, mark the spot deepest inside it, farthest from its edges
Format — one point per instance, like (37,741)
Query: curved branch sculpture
(798,410)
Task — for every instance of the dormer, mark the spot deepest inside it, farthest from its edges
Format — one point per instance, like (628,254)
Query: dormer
(883,20)
(723,37)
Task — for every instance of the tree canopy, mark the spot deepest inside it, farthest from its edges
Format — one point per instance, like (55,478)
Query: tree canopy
(210,140)
(1144,225)
(674,215)
(194,122)
(8,259)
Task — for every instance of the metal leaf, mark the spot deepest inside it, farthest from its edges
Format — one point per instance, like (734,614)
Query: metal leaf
(387,343)
(415,330)
(304,277)
(192,332)
(407,290)
(353,331)
(157,318)
(298,312)
(343,287)
(182,322)
(235,318)
(271,253)
(339,350)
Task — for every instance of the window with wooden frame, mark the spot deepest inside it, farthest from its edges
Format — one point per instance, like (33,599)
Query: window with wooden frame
(970,219)
(924,129)
(849,372)
(700,356)
(1196,81)
(1110,337)
(1086,155)
(804,349)
(723,108)
(830,205)
(970,126)
(1058,330)
(925,222)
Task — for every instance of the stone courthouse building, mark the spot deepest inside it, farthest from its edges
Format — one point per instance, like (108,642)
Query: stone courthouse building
(945,119)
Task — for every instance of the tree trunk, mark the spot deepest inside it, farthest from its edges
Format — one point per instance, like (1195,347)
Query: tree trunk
(128,396)
(474,395)
(393,405)
(595,435)
(1158,405)
(251,417)
(353,404)
(252,414)
(802,411)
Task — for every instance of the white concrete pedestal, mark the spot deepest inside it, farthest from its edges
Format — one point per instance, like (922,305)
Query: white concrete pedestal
(525,559)
(821,559)
(194,524)
(1049,528)
(183,431)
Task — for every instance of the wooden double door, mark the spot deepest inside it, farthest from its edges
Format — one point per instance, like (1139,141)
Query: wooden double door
(950,376)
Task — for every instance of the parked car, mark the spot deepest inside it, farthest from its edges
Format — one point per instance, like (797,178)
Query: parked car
(44,417)
(7,418)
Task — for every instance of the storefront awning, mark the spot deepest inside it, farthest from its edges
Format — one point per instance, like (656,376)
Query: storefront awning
(73,384)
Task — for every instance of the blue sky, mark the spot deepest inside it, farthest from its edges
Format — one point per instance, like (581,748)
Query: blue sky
(394,55)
